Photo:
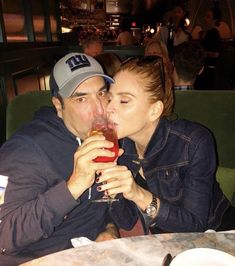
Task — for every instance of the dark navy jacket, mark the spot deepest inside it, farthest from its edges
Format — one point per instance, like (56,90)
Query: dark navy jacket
(179,166)
(39,214)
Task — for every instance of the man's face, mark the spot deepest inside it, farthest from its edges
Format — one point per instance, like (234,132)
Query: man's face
(89,99)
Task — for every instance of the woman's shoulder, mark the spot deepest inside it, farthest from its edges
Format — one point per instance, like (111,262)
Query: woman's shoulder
(189,128)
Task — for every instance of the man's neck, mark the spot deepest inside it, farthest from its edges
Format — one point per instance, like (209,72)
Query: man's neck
(179,82)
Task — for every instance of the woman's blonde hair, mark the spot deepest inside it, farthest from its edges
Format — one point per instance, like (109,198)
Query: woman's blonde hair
(154,77)
(110,62)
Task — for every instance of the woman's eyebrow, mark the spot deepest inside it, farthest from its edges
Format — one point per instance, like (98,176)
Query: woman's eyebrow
(126,93)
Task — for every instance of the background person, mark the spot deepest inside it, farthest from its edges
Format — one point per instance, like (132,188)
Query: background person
(125,37)
(156,47)
(188,61)
(110,62)
(92,45)
(177,26)
(50,168)
(168,167)
(211,41)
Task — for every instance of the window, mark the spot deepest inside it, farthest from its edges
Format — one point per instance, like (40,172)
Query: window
(14,20)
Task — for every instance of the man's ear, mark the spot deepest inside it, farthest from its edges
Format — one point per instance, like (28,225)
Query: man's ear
(56,102)
(156,110)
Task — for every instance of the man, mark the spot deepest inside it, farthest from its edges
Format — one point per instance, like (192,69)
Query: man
(188,63)
(48,198)
(125,37)
(92,45)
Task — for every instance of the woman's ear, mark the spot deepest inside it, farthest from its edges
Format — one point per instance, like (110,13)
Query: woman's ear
(56,102)
(157,109)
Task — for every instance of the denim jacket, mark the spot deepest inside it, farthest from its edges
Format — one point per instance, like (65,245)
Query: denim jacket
(179,166)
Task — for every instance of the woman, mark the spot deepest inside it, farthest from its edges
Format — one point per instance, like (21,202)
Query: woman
(157,47)
(168,167)
(175,32)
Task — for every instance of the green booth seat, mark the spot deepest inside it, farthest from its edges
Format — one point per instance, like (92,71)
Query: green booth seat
(214,109)
(21,109)
(226,178)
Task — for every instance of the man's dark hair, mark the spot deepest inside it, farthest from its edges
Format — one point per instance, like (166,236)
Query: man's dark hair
(90,39)
(188,60)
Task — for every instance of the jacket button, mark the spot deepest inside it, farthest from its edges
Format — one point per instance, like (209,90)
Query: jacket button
(3,251)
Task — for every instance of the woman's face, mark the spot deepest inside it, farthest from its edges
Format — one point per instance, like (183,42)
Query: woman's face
(129,106)
(209,18)
(178,13)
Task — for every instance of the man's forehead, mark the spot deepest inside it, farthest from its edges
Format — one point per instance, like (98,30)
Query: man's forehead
(87,88)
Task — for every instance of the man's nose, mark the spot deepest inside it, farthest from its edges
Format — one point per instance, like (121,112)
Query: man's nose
(100,106)
(110,107)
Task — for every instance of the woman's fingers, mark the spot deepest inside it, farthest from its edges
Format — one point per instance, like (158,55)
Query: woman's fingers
(115,180)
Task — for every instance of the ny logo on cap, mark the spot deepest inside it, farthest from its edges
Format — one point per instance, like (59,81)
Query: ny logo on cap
(77,61)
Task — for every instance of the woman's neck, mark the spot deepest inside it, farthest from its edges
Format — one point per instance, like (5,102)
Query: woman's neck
(143,137)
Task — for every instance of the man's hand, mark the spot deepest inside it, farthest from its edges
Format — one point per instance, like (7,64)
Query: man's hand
(84,169)
(110,233)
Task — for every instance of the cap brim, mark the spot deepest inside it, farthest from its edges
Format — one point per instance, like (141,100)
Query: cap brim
(67,89)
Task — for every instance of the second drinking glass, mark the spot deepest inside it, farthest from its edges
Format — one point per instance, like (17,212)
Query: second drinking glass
(102,124)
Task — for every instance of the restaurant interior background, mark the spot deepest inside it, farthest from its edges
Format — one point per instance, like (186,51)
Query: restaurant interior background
(35,34)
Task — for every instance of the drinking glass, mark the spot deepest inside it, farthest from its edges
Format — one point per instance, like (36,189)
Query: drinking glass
(102,124)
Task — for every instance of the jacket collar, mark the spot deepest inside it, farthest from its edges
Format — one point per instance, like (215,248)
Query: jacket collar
(156,143)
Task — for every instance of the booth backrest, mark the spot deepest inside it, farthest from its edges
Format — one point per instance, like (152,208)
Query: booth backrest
(123,52)
(216,111)
(21,109)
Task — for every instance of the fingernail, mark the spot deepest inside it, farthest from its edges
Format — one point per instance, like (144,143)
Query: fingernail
(97,180)
(98,173)
(99,188)
(106,192)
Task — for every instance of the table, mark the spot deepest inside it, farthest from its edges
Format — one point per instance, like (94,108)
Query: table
(136,251)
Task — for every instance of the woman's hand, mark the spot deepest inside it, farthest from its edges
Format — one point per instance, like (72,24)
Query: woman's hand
(119,179)
(84,169)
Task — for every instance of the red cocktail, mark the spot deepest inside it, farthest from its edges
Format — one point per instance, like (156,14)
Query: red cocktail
(101,124)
